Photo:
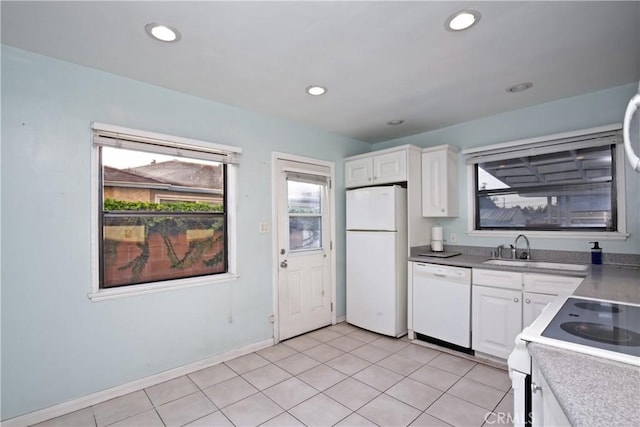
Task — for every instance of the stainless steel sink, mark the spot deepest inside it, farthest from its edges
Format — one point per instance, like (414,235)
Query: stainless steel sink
(537,264)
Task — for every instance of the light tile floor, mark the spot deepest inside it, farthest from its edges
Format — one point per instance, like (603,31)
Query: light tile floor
(339,375)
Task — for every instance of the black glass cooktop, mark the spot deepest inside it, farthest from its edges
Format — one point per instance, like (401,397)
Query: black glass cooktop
(601,324)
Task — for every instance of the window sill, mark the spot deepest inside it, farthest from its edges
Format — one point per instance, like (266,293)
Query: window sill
(551,234)
(150,288)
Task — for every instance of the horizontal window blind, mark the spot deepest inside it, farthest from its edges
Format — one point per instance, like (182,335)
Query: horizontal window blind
(307,178)
(163,144)
(540,147)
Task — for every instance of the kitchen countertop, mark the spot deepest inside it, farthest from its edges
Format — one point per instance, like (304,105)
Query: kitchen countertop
(616,283)
(591,390)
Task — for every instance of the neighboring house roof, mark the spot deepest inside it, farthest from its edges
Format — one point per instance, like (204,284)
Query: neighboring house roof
(183,173)
(112,174)
(502,215)
(173,172)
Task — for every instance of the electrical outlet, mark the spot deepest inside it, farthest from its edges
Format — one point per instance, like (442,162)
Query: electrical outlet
(453,238)
(263,228)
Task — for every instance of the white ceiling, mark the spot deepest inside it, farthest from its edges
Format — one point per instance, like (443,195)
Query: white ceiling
(379,60)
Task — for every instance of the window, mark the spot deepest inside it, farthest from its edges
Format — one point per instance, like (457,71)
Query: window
(305,208)
(165,209)
(561,184)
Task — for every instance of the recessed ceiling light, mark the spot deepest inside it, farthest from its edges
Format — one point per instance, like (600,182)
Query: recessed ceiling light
(462,20)
(395,122)
(316,90)
(162,32)
(520,87)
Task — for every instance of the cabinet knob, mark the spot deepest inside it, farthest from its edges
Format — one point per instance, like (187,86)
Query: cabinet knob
(528,301)
(535,388)
(442,210)
(516,300)
(369,179)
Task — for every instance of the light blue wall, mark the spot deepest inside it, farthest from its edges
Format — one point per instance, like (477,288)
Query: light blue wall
(590,110)
(56,344)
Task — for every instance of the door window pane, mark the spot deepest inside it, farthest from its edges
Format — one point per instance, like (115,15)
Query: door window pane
(305,233)
(305,215)
(304,198)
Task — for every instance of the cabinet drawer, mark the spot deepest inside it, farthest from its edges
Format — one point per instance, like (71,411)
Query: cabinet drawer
(550,284)
(497,279)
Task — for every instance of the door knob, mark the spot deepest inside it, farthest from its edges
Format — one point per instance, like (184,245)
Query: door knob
(283,264)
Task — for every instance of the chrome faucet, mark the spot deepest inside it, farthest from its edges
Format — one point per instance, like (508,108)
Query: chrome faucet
(523,255)
(499,251)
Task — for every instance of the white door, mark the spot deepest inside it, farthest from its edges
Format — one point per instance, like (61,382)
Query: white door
(375,208)
(304,264)
(372,282)
(390,167)
(434,183)
(358,172)
(533,305)
(497,320)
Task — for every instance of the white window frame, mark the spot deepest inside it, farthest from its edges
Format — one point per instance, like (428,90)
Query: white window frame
(208,148)
(176,198)
(620,234)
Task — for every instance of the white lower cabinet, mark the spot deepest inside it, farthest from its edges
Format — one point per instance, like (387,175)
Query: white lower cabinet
(503,303)
(532,306)
(545,408)
(497,320)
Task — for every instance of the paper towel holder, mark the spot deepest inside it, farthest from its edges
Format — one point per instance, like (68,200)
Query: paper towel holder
(437,239)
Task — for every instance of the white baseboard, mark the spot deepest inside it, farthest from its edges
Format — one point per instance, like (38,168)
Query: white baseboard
(341,319)
(117,391)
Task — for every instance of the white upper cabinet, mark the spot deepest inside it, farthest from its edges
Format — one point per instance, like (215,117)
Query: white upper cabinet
(440,181)
(390,167)
(382,167)
(359,172)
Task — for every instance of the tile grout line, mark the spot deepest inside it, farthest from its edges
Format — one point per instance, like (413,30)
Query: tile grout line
(391,350)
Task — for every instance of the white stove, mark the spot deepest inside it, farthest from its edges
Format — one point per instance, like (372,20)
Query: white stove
(601,328)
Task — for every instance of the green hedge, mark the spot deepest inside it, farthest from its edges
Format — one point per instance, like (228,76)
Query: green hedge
(122,205)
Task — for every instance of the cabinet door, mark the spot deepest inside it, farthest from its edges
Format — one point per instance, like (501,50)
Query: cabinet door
(390,167)
(439,184)
(497,320)
(358,172)
(532,306)
(545,408)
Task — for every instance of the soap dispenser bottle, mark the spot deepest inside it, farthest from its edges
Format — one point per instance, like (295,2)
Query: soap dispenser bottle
(596,253)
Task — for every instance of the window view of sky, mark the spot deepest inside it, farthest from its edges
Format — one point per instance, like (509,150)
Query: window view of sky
(121,159)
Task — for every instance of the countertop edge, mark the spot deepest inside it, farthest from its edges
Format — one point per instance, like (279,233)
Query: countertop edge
(590,375)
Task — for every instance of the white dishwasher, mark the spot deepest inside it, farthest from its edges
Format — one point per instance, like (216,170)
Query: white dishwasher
(442,303)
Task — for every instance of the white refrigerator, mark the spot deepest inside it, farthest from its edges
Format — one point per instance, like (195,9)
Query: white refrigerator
(377,259)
